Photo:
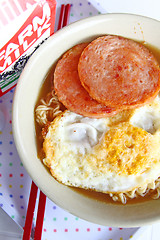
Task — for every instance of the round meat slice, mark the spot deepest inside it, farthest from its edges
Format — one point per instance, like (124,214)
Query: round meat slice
(69,90)
(119,72)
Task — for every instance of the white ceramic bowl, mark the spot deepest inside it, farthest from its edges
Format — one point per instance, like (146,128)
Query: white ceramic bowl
(29,84)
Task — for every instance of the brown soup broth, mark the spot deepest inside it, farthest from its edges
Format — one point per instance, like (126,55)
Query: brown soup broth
(45,89)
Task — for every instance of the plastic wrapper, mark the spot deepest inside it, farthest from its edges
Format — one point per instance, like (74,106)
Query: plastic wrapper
(24,25)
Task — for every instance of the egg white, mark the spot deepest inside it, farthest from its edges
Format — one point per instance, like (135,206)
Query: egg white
(75,146)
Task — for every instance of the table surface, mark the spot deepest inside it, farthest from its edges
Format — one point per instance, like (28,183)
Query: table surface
(8,228)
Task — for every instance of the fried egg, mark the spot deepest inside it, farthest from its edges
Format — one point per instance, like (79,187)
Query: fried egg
(110,155)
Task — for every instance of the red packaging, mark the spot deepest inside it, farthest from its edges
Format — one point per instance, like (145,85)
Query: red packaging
(24,25)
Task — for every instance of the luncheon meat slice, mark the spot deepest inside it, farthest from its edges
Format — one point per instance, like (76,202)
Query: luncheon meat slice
(69,90)
(119,72)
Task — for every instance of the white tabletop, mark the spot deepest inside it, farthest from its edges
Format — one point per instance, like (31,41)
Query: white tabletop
(148,8)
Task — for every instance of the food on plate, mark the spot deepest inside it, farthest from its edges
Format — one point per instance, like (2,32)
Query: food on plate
(119,72)
(112,155)
(87,144)
(69,90)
